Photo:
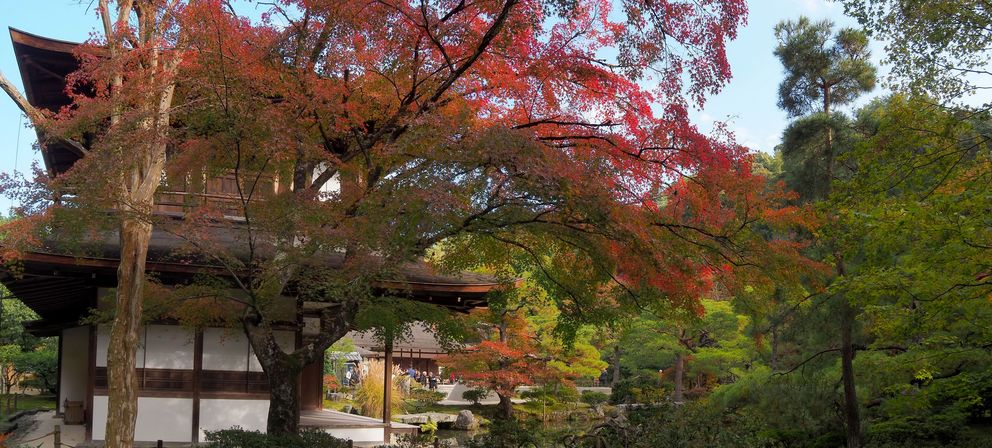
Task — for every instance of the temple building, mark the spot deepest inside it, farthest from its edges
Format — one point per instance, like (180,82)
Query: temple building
(190,380)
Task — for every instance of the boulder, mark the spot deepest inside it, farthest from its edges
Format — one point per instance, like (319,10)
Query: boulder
(466,421)
(420,419)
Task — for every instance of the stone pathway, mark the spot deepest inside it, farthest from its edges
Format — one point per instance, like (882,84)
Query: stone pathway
(40,426)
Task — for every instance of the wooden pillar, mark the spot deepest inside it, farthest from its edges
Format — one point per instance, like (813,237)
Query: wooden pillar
(197,384)
(387,391)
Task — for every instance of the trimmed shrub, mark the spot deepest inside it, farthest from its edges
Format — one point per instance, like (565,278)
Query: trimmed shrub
(423,399)
(240,438)
(637,390)
(593,398)
(475,395)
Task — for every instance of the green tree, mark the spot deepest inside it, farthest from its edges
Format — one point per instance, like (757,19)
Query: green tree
(909,217)
(830,69)
(685,346)
(935,47)
(822,68)
(15,314)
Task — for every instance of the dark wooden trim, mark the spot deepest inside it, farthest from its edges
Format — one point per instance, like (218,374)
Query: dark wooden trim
(197,383)
(58,378)
(234,396)
(91,383)
(44,43)
(203,395)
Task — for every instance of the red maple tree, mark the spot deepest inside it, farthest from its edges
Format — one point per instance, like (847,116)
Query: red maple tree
(503,362)
(558,130)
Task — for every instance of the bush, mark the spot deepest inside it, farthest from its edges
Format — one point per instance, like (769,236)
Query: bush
(423,399)
(637,390)
(475,395)
(513,434)
(240,438)
(552,394)
(930,430)
(677,426)
(593,398)
(331,383)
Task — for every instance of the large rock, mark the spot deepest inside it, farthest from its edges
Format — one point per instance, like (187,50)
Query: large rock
(466,421)
(420,419)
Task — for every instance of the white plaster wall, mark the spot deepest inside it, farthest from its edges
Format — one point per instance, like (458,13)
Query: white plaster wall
(286,339)
(332,187)
(166,419)
(225,349)
(103,340)
(168,347)
(217,414)
(75,365)
(311,326)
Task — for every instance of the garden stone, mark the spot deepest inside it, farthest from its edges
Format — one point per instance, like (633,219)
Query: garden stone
(466,421)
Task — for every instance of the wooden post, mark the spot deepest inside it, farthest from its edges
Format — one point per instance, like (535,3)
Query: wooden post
(387,392)
(58,436)
(158,444)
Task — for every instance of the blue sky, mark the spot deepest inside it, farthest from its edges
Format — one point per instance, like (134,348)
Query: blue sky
(747,104)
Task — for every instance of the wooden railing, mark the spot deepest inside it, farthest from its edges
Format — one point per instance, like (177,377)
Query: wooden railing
(220,193)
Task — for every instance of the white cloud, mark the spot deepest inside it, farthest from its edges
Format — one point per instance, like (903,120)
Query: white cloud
(818,6)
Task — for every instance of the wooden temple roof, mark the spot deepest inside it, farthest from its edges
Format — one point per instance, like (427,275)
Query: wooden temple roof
(59,281)
(44,64)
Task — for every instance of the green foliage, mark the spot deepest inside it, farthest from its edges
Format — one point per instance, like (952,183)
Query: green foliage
(421,400)
(934,47)
(42,366)
(637,389)
(430,427)
(475,395)
(808,160)
(679,426)
(15,314)
(594,398)
(821,67)
(515,434)
(239,438)
(551,394)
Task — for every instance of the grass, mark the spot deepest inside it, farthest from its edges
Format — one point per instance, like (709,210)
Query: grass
(26,403)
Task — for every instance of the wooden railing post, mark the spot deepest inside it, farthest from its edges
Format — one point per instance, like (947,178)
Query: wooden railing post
(58,436)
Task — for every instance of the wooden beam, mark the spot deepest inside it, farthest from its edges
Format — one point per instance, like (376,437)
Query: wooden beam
(197,383)
(387,392)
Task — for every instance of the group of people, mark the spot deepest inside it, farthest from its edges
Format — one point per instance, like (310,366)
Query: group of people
(354,374)
(426,379)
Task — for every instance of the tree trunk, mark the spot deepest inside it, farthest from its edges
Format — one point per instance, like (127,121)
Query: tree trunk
(852,410)
(284,402)
(774,343)
(505,407)
(122,378)
(282,370)
(616,365)
(677,396)
(830,139)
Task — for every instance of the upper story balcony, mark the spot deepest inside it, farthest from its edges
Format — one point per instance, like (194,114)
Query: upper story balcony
(45,63)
